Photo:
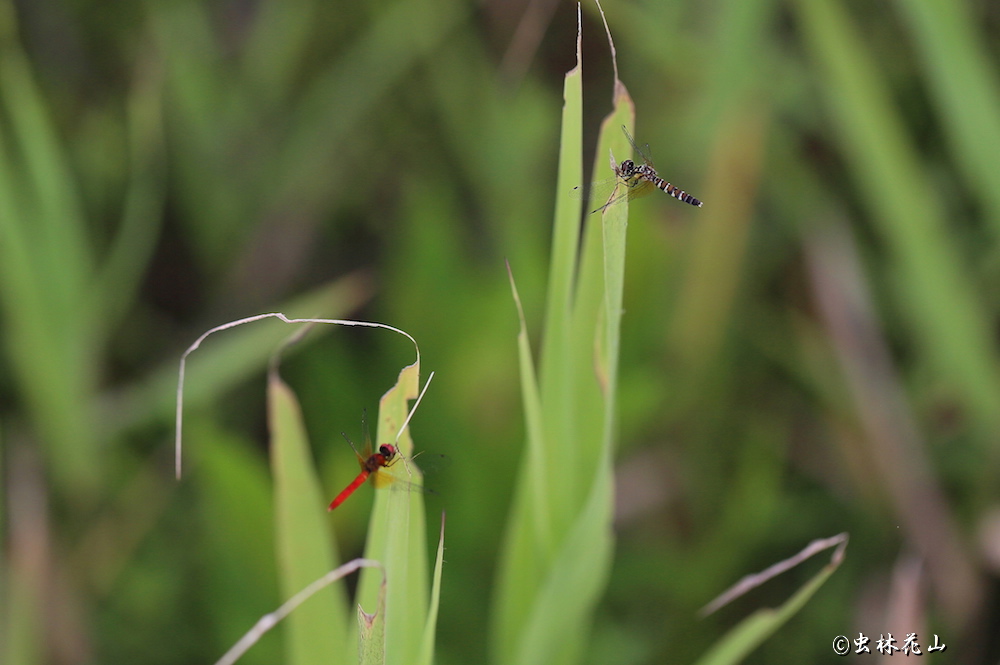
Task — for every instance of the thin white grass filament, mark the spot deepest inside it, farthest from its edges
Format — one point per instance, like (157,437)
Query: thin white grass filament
(407,421)
(268,621)
(232,324)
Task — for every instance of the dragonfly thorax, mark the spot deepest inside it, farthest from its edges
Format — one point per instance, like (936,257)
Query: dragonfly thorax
(646,171)
(384,457)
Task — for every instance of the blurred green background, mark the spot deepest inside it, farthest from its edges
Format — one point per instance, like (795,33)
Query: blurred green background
(814,351)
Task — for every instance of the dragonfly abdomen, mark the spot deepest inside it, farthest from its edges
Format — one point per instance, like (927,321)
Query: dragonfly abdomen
(675,192)
(355,484)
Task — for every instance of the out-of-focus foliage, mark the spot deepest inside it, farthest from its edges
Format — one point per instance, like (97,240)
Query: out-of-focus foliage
(814,351)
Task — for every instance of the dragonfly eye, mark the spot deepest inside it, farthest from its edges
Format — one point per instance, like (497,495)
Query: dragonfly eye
(388,451)
(627,168)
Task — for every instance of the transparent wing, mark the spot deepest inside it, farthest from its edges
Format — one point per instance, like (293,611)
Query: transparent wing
(366,446)
(606,193)
(640,187)
(366,436)
(395,475)
(599,193)
(384,478)
(644,152)
(612,191)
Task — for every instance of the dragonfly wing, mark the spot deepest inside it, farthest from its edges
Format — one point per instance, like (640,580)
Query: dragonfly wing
(395,474)
(386,475)
(644,152)
(361,459)
(599,194)
(365,434)
(615,196)
(642,188)
(384,479)
(366,445)
(599,189)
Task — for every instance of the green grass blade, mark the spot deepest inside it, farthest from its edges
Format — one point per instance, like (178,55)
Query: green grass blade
(278,43)
(556,629)
(529,543)
(530,533)
(613,230)
(595,332)
(304,553)
(536,463)
(45,272)
(546,595)
(57,219)
(120,272)
(22,605)
(317,631)
(236,515)
(565,249)
(430,628)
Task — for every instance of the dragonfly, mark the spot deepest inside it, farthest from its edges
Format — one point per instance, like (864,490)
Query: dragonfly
(372,464)
(632,181)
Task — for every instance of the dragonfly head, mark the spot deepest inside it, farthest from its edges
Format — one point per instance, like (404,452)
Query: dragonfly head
(387,450)
(627,169)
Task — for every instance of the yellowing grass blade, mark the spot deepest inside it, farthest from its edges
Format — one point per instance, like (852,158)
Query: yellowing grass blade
(396,533)
(371,631)
(319,628)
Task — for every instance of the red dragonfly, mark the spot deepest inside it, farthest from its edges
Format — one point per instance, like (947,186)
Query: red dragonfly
(371,465)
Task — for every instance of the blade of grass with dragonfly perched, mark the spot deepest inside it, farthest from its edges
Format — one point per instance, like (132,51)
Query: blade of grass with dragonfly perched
(319,628)
(559,543)
(397,533)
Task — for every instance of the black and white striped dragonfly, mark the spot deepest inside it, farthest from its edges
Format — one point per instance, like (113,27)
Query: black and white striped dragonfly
(632,181)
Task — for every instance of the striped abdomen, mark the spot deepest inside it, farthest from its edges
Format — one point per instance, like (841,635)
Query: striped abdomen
(673,191)
(676,192)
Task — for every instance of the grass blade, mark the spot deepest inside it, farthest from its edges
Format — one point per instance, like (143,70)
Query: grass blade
(430,628)
(397,535)
(554,568)
(319,629)
(530,535)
